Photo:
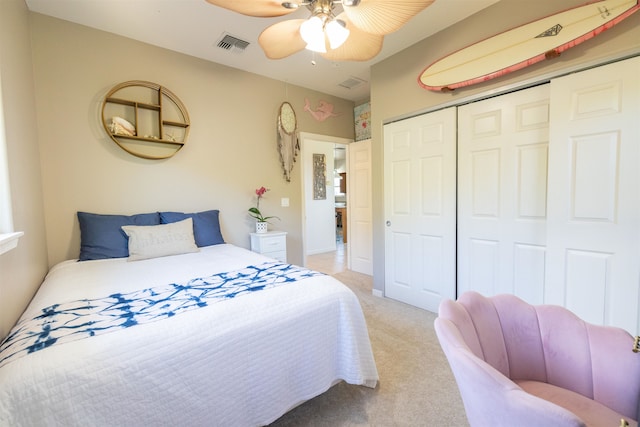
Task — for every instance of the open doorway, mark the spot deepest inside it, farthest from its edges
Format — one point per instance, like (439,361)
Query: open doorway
(323,235)
(340,193)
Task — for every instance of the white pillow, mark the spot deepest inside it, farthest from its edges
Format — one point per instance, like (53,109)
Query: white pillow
(152,241)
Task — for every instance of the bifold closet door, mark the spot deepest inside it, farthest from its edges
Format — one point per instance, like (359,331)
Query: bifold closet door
(593,263)
(502,191)
(420,209)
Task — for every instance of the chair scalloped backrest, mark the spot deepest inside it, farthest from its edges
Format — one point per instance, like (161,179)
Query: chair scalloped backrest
(549,344)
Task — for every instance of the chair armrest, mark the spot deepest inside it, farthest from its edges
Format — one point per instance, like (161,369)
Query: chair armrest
(490,398)
(615,369)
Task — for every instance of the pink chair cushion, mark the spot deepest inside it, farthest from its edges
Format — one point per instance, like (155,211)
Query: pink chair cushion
(593,414)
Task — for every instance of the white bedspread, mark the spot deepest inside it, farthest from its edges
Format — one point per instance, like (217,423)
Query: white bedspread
(242,362)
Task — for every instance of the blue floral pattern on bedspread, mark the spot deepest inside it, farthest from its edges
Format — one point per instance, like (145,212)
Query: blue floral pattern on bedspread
(84,318)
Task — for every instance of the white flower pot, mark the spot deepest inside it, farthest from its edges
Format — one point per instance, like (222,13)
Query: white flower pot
(261,227)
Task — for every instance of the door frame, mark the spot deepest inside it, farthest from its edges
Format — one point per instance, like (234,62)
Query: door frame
(304,136)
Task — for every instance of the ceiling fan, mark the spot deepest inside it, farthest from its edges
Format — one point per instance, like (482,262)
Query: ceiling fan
(355,34)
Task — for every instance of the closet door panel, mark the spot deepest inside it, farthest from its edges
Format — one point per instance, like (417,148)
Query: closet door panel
(594,205)
(483,264)
(532,181)
(502,193)
(420,206)
(485,183)
(528,272)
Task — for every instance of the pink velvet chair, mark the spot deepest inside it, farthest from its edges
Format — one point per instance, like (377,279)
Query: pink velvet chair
(522,365)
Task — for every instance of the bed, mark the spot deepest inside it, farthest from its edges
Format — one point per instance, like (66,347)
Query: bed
(214,336)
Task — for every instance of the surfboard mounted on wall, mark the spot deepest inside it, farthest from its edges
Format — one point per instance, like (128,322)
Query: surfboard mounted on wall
(522,46)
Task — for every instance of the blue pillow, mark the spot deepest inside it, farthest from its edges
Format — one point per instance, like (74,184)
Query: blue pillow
(206,225)
(101,236)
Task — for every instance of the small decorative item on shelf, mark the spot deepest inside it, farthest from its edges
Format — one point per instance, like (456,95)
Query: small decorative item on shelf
(120,126)
(261,220)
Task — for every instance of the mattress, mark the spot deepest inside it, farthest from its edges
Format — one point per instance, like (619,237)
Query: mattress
(243,361)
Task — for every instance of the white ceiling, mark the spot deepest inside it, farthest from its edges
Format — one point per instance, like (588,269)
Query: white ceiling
(194,27)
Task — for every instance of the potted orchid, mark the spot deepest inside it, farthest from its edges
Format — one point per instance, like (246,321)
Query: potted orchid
(261,224)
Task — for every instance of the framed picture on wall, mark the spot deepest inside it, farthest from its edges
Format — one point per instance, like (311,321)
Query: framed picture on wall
(319,177)
(362,120)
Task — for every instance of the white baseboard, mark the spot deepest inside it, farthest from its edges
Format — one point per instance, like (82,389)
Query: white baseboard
(377,293)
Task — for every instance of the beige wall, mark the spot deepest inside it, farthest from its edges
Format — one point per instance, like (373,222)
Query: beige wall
(22,269)
(63,162)
(230,152)
(395,92)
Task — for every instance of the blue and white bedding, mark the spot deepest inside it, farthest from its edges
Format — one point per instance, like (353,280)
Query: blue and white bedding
(216,354)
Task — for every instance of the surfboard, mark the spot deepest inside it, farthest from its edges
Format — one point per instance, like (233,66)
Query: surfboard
(525,45)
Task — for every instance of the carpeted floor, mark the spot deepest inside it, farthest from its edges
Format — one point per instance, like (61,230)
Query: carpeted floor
(416,386)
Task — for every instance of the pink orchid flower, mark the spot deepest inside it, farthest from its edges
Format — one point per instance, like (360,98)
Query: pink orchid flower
(260,191)
(255,212)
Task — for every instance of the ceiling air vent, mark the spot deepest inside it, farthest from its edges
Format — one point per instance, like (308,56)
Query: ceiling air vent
(351,82)
(231,43)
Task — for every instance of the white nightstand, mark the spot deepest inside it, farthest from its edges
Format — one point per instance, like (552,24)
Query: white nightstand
(272,244)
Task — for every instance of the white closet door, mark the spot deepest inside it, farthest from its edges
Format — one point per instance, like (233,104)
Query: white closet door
(502,192)
(420,209)
(594,201)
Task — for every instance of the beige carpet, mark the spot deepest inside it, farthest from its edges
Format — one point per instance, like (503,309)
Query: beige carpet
(416,385)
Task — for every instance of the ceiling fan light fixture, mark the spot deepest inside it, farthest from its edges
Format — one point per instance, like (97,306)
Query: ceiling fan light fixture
(337,33)
(317,46)
(312,32)
(350,3)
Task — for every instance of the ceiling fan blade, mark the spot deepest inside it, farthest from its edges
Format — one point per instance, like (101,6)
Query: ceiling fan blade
(384,16)
(260,8)
(360,46)
(282,39)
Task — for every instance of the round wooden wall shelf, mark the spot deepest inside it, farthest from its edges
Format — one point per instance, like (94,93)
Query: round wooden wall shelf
(145,119)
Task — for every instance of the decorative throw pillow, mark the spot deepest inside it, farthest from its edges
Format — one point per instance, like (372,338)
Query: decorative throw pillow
(154,241)
(206,225)
(101,236)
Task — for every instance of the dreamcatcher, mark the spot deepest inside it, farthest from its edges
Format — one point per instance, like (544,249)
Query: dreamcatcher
(288,144)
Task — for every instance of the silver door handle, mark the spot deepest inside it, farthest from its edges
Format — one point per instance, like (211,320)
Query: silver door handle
(388,223)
